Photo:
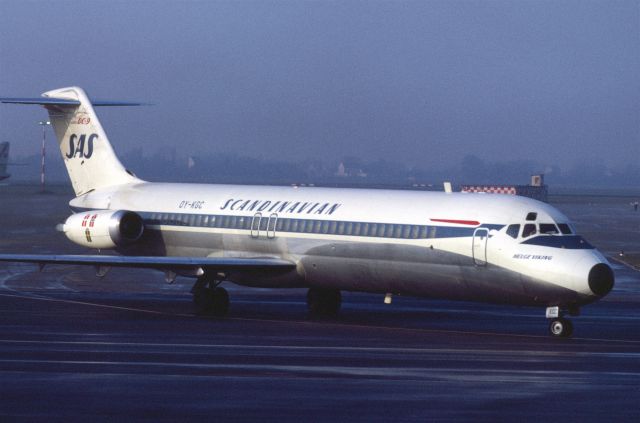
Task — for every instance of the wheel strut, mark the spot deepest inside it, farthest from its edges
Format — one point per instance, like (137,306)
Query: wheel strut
(209,298)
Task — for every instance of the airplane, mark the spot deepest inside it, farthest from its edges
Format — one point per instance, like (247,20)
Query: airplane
(4,160)
(492,248)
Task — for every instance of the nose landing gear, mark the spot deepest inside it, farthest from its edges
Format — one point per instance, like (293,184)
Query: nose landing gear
(560,327)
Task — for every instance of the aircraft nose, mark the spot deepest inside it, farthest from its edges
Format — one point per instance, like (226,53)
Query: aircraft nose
(601,279)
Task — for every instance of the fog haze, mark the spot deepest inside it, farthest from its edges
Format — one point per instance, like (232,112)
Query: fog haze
(423,83)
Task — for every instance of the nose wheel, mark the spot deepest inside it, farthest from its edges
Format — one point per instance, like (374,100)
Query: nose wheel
(561,327)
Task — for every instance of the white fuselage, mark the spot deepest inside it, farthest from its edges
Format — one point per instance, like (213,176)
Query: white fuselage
(431,244)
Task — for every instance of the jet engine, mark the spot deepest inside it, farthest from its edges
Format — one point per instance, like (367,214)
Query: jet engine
(104,228)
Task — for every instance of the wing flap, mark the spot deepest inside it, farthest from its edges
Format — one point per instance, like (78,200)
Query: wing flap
(152,262)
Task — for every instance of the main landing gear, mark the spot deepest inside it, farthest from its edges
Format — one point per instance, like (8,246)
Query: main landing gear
(323,302)
(209,298)
(559,326)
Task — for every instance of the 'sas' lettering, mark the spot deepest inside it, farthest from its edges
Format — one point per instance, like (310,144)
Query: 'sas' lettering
(81,146)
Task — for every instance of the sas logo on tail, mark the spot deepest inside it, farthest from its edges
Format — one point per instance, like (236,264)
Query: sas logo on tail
(81,146)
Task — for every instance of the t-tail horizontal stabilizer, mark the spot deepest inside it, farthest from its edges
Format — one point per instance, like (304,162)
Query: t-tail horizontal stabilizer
(86,150)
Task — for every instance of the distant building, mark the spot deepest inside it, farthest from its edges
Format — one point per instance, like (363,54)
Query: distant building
(344,171)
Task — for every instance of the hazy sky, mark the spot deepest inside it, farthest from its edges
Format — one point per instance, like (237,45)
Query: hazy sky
(424,82)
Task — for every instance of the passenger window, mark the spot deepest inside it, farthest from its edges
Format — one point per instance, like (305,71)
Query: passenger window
(513,230)
(341,228)
(332,227)
(306,226)
(548,229)
(528,230)
(348,230)
(397,231)
(414,232)
(565,229)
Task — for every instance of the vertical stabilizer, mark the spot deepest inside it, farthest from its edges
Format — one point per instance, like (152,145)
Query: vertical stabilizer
(86,151)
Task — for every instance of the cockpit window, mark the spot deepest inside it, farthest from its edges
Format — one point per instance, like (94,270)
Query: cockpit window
(532,216)
(565,228)
(528,230)
(513,230)
(548,229)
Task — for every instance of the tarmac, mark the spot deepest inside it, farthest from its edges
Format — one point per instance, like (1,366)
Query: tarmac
(130,347)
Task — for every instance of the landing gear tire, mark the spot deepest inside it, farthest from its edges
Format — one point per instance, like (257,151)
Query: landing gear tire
(323,302)
(211,301)
(561,328)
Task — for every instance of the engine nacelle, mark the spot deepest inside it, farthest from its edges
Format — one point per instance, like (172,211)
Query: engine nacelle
(104,228)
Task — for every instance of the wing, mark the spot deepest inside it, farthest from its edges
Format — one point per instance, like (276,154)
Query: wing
(218,264)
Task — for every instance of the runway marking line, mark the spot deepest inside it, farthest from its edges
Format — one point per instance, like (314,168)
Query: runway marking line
(58,300)
(237,347)
(310,323)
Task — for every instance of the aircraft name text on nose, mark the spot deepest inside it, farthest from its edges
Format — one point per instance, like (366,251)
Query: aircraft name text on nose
(532,257)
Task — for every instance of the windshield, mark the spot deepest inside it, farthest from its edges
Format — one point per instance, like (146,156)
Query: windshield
(548,229)
(530,229)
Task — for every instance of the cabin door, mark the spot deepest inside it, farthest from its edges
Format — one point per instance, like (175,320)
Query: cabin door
(479,246)
(255,225)
(264,225)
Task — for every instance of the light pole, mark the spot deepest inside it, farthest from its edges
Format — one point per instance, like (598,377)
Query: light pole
(44,124)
